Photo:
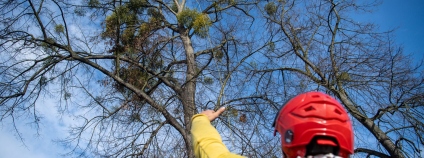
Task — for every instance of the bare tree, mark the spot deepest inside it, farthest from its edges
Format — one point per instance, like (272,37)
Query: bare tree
(131,64)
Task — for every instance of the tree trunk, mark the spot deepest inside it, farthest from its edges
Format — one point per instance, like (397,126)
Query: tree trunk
(189,89)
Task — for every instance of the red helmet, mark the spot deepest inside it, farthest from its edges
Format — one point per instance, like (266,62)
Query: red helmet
(311,119)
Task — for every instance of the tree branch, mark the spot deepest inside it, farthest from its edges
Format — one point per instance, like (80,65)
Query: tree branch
(371,152)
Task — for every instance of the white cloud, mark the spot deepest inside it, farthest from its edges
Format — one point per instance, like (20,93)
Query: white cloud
(40,146)
(12,147)
(35,145)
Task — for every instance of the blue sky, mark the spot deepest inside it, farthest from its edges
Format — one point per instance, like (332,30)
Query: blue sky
(407,16)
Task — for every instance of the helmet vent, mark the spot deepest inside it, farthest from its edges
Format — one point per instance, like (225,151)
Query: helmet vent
(310,108)
(315,96)
(338,111)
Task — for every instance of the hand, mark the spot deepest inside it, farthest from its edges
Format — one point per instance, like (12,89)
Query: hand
(212,115)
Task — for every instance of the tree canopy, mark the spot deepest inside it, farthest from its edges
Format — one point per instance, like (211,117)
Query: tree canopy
(134,72)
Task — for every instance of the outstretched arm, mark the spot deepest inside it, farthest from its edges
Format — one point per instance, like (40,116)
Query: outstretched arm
(206,140)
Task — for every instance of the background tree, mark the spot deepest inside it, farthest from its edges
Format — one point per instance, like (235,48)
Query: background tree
(322,48)
(133,72)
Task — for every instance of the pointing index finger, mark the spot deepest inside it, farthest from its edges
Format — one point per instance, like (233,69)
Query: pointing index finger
(220,110)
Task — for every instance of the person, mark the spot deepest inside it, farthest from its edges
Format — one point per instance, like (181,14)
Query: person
(312,124)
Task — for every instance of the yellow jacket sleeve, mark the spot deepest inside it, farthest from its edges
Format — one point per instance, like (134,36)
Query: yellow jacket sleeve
(207,142)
